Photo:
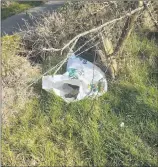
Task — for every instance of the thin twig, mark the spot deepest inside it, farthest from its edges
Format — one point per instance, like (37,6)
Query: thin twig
(88,48)
(151,15)
(86,43)
(51,69)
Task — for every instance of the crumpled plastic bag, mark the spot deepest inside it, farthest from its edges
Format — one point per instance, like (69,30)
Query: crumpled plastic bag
(82,79)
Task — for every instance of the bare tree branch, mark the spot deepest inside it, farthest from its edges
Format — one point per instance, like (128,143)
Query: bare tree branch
(126,31)
(97,29)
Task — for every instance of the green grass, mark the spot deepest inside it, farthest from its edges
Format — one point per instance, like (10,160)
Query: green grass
(50,132)
(17,7)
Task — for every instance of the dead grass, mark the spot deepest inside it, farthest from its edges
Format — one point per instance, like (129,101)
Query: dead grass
(16,74)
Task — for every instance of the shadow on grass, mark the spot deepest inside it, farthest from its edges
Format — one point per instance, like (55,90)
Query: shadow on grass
(153,36)
(138,109)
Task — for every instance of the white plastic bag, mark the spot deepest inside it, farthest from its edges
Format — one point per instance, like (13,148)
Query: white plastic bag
(81,77)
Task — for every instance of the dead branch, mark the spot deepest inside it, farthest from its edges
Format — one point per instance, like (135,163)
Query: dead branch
(108,47)
(97,29)
(110,54)
(126,32)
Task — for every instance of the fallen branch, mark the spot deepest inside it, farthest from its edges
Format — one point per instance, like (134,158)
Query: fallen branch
(126,31)
(97,29)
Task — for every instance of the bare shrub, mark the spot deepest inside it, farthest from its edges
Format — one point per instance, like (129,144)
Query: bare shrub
(57,29)
(54,30)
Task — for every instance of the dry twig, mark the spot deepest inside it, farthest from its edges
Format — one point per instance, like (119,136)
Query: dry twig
(151,15)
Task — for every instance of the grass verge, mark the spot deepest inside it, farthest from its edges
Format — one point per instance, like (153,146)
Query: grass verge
(49,132)
(117,129)
(17,7)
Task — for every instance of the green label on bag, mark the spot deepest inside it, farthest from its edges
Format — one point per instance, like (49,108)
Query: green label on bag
(72,73)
